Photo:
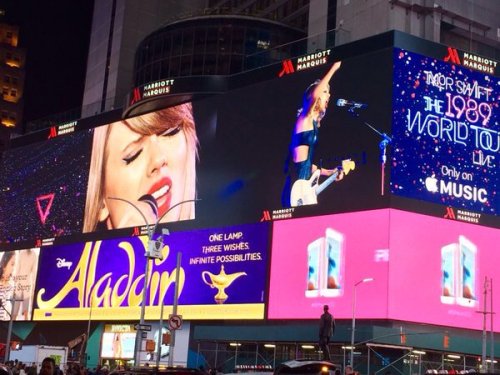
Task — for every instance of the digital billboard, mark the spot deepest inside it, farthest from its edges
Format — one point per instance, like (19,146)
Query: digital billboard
(18,271)
(440,269)
(321,121)
(331,254)
(222,275)
(446,134)
(43,187)
(428,270)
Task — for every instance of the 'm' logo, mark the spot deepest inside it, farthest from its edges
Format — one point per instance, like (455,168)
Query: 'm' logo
(266,216)
(52,132)
(287,68)
(450,214)
(136,96)
(46,200)
(452,56)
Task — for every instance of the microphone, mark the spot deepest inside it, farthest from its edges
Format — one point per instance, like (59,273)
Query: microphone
(350,104)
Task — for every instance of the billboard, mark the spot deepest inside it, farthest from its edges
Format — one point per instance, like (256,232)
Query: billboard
(42,188)
(225,150)
(446,134)
(442,268)
(428,270)
(331,254)
(222,275)
(18,271)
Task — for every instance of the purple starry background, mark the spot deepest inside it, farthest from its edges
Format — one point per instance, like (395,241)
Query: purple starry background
(417,155)
(59,166)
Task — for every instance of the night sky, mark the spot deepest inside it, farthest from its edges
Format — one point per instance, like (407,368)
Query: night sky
(56,35)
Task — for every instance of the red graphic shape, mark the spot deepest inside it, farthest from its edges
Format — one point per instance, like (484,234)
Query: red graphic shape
(47,201)
(452,56)
(287,68)
(136,96)
(266,216)
(52,132)
(450,214)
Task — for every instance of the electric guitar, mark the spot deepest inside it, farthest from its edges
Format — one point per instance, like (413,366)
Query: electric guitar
(305,192)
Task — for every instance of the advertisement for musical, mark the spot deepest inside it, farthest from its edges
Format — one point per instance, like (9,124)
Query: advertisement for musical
(446,134)
(222,275)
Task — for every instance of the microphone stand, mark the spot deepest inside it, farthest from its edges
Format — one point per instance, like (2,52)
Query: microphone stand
(382,147)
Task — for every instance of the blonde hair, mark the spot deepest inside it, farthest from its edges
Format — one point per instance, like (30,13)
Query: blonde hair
(148,124)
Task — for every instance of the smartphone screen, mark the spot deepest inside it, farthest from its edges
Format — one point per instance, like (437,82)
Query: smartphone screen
(313,268)
(333,279)
(467,269)
(449,264)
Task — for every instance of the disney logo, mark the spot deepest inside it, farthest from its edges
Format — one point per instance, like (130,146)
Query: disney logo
(61,262)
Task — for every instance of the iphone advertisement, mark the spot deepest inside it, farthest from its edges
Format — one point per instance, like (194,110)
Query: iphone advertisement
(330,255)
(428,270)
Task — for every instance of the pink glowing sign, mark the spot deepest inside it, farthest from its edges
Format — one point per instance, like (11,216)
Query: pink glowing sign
(428,270)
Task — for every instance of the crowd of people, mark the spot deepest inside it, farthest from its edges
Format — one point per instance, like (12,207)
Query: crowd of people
(49,367)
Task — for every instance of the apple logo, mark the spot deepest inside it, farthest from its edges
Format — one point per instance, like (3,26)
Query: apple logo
(431,184)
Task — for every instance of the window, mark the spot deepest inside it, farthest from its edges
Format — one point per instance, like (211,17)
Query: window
(13,93)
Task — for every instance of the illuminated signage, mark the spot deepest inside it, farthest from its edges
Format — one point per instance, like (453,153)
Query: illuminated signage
(222,276)
(311,60)
(17,283)
(62,129)
(446,134)
(469,60)
(149,90)
(439,265)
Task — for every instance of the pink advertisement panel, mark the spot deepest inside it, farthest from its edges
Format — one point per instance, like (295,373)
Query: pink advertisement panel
(317,261)
(438,270)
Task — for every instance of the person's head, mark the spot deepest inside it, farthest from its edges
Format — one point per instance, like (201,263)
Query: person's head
(325,308)
(150,154)
(48,366)
(314,101)
(7,264)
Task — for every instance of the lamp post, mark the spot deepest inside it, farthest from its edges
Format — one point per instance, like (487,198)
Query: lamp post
(153,251)
(11,319)
(366,280)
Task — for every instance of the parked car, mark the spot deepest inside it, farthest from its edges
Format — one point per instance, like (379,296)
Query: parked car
(306,367)
(160,371)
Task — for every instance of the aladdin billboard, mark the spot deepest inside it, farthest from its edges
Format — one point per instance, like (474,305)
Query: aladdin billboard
(222,275)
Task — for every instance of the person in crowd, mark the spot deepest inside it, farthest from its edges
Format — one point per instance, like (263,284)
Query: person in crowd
(326,330)
(150,155)
(48,367)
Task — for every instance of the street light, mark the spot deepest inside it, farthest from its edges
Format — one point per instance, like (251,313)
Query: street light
(11,319)
(366,280)
(153,251)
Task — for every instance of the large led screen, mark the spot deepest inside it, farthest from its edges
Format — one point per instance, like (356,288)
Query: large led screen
(428,270)
(440,270)
(223,275)
(18,270)
(446,134)
(330,255)
(42,188)
(301,144)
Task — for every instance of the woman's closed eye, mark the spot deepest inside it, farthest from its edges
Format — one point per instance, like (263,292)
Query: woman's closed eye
(132,156)
(171,131)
